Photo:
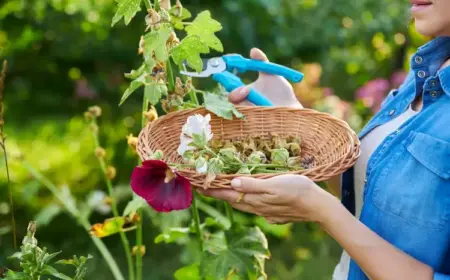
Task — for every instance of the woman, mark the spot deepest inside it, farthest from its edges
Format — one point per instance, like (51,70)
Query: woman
(394,219)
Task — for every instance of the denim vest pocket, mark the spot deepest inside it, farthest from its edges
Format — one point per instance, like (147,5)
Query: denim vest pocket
(414,184)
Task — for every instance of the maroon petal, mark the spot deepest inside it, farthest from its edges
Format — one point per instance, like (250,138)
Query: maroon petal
(148,181)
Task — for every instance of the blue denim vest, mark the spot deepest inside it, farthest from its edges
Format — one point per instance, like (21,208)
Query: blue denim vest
(407,190)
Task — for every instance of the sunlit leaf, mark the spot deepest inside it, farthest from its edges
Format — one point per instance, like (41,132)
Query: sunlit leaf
(108,227)
(241,252)
(220,106)
(205,27)
(134,85)
(134,205)
(190,272)
(173,235)
(48,270)
(280,231)
(189,50)
(154,92)
(155,44)
(177,18)
(134,74)
(126,9)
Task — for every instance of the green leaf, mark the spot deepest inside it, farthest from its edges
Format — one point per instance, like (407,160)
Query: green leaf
(134,205)
(134,85)
(190,272)
(177,18)
(49,257)
(66,262)
(11,275)
(280,231)
(172,235)
(134,74)
(48,270)
(220,106)
(190,49)
(154,92)
(108,227)
(241,252)
(205,27)
(155,44)
(46,215)
(126,9)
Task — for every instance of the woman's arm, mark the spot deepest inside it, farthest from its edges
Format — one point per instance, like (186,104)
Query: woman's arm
(376,257)
(288,198)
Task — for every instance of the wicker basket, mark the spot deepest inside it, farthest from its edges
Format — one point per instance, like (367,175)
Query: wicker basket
(330,142)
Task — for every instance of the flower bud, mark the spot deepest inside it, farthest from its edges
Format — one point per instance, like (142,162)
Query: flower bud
(111,172)
(100,152)
(141,251)
(96,111)
(88,116)
(201,165)
(141,45)
(151,115)
(279,156)
(294,162)
(244,170)
(257,157)
(157,155)
(165,4)
(132,141)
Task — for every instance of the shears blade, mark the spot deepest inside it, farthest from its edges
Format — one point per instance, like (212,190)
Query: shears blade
(210,67)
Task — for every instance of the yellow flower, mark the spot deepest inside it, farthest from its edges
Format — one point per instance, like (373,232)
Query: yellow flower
(111,172)
(142,250)
(100,152)
(151,115)
(132,141)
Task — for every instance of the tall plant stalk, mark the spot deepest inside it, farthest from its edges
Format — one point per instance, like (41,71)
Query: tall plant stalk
(106,254)
(123,237)
(3,146)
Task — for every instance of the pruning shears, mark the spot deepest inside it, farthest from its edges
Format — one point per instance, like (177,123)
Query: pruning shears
(221,68)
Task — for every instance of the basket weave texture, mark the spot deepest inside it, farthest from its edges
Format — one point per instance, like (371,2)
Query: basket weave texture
(330,142)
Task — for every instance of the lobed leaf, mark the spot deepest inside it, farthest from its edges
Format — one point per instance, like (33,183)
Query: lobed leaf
(239,251)
(177,17)
(220,106)
(126,9)
(205,27)
(154,92)
(134,85)
(172,235)
(189,50)
(155,45)
(190,272)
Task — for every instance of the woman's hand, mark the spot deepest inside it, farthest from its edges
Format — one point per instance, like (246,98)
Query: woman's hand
(281,199)
(277,89)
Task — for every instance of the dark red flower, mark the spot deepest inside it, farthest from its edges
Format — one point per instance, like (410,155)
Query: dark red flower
(163,189)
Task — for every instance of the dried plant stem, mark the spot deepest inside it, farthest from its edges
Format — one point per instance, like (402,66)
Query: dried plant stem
(106,254)
(123,237)
(3,146)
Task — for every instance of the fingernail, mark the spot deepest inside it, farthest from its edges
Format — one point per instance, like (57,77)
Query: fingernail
(236,183)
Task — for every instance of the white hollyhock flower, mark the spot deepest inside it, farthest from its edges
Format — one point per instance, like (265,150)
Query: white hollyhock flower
(196,132)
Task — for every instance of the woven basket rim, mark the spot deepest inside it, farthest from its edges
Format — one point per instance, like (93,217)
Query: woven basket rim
(352,151)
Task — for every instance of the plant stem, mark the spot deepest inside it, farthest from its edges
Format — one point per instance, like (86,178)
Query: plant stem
(106,254)
(197,219)
(229,212)
(147,3)
(123,237)
(193,97)
(139,222)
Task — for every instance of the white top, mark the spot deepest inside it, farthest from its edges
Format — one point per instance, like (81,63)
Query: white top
(368,145)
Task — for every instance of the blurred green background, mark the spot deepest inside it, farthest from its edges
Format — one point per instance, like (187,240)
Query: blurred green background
(64,56)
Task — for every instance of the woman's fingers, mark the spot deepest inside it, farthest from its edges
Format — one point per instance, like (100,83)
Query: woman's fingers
(251,185)
(239,95)
(258,54)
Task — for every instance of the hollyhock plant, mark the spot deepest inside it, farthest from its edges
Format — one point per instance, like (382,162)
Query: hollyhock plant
(163,188)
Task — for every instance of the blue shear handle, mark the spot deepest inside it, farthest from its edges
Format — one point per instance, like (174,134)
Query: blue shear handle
(231,82)
(236,61)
